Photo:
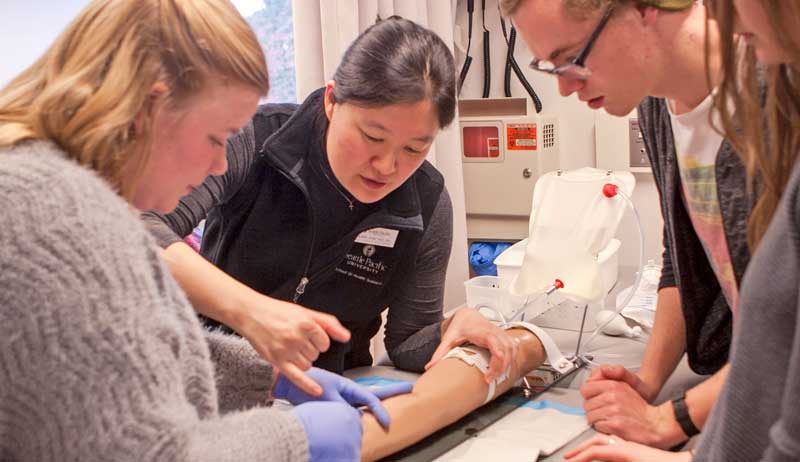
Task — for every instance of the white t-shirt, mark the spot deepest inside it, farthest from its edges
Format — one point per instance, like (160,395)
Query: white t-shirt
(697,144)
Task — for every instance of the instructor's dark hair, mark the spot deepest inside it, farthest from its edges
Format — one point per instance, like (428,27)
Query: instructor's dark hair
(397,61)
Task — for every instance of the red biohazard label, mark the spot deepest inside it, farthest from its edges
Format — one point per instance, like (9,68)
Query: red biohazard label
(521,137)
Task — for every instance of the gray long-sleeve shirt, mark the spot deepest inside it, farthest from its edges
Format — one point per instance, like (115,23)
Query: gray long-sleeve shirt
(102,356)
(756,417)
(413,329)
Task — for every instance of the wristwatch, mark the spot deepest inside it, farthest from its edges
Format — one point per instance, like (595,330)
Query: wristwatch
(683,417)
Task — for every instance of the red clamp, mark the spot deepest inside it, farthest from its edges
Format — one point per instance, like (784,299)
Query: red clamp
(557,284)
(610,190)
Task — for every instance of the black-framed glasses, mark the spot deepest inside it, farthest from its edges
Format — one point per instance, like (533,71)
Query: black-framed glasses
(575,69)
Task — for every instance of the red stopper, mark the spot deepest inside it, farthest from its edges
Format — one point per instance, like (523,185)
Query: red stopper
(610,190)
(558,284)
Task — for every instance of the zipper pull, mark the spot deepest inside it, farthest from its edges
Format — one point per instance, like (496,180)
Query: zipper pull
(301,288)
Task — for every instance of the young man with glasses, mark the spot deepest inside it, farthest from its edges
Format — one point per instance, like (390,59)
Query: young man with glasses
(617,54)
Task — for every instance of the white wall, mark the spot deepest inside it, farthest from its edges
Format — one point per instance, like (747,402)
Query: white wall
(27,28)
(577,121)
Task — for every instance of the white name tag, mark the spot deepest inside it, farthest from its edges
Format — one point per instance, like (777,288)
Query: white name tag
(379,236)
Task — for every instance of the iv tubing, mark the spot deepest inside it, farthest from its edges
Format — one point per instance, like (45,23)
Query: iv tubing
(633,290)
(557,284)
(521,312)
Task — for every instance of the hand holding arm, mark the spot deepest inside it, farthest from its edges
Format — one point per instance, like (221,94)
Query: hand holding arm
(469,326)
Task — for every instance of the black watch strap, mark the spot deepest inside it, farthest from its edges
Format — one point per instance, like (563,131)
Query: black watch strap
(683,418)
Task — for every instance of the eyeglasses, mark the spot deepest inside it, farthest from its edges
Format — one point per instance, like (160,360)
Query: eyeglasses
(575,69)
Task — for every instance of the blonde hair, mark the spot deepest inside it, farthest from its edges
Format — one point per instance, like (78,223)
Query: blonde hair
(98,77)
(764,127)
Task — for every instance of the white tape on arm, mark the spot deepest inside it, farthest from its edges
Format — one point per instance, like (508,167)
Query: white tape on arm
(479,358)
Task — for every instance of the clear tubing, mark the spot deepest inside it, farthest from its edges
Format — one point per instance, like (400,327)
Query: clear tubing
(521,313)
(498,316)
(633,290)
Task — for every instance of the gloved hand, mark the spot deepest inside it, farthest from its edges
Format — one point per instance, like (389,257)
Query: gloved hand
(333,431)
(341,389)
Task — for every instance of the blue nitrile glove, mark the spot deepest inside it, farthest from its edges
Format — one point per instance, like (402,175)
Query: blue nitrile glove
(482,256)
(341,389)
(333,431)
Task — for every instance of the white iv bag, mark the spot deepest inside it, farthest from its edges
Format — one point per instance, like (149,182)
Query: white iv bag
(571,222)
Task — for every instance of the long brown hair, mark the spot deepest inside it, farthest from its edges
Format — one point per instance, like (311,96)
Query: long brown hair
(87,89)
(763,125)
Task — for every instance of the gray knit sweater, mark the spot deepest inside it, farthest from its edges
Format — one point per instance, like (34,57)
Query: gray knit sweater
(756,417)
(101,356)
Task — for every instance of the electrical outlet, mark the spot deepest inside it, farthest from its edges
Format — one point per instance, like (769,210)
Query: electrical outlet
(638,155)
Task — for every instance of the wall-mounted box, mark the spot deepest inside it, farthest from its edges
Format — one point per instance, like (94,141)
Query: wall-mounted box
(506,147)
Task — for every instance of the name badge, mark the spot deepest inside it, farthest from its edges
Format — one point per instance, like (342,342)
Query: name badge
(382,237)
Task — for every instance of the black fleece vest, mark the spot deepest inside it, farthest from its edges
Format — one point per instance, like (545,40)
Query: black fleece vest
(354,279)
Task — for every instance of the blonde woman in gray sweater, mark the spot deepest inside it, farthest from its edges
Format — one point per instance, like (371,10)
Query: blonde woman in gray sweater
(102,357)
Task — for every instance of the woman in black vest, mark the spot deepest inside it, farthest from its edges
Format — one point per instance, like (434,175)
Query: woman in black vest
(332,206)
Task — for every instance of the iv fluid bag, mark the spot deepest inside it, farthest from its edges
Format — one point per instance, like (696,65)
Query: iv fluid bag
(571,222)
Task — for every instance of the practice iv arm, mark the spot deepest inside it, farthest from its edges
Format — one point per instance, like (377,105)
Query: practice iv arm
(442,395)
